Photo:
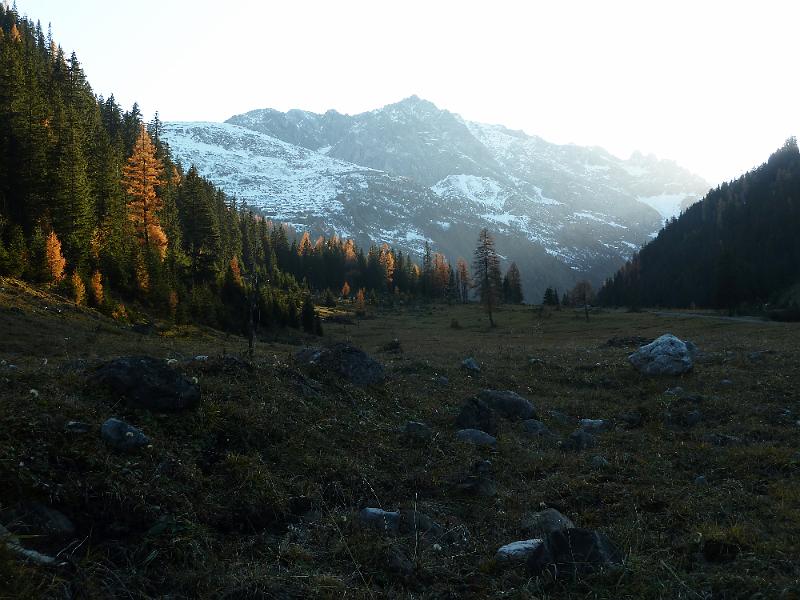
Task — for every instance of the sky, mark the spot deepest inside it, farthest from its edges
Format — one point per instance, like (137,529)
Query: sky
(710,84)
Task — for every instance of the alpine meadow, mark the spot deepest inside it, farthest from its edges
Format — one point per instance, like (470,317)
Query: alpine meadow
(253,346)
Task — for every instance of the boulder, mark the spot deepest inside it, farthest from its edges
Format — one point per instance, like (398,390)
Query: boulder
(377,518)
(476,414)
(122,436)
(419,524)
(517,551)
(573,552)
(469,364)
(509,404)
(76,427)
(477,437)
(541,524)
(146,382)
(345,360)
(535,428)
(667,355)
(579,440)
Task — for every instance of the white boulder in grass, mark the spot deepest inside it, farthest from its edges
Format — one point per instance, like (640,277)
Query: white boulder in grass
(517,551)
(666,355)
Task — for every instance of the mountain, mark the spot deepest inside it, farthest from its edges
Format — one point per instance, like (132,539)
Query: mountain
(411,172)
(739,245)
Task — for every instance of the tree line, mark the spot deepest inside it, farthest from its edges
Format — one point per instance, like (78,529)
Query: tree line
(92,202)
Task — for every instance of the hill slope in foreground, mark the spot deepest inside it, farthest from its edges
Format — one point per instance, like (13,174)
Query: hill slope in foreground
(256,492)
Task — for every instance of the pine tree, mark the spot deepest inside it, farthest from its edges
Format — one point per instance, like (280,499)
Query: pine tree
(486,270)
(512,284)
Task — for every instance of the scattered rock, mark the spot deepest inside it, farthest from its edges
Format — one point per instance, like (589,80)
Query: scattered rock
(579,440)
(759,355)
(147,382)
(43,520)
(675,391)
(509,404)
(667,355)
(76,427)
(476,414)
(542,523)
(13,544)
(517,551)
(595,425)
(701,480)
(535,362)
(599,462)
(469,364)
(345,360)
(726,382)
(122,436)
(477,437)
(535,428)
(477,485)
(442,381)
(414,430)
(572,552)
(377,518)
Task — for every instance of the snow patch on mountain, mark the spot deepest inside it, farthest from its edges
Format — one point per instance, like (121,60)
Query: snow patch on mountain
(669,205)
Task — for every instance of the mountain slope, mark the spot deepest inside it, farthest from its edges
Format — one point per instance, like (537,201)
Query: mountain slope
(738,245)
(410,172)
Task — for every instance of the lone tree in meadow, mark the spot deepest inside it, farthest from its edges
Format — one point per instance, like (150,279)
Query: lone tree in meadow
(486,273)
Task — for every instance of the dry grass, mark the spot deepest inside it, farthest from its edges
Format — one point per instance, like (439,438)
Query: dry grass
(254,494)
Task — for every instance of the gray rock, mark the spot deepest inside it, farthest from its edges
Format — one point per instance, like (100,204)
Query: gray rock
(579,440)
(572,552)
(701,480)
(377,518)
(469,364)
(595,425)
(509,404)
(477,437)
(476,414)
(667,355)
(477,485)
(726,382)
(76,427)
(345,360)
(599,462)
(414,430)
(419,524)
(122,436)
(535,428)
(680,417)
(517,551)
(146,382)
(675,391)
(39,519)
(442,381)
(540,524)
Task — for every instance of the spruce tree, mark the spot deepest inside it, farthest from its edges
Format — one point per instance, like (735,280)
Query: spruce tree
(486,272)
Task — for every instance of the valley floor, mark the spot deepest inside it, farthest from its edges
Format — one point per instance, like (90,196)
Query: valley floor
(256,493)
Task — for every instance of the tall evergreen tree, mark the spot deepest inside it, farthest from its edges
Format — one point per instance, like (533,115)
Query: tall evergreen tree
(486,273)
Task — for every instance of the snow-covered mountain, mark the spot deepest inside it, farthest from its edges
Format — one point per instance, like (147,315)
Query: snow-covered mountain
(411,172)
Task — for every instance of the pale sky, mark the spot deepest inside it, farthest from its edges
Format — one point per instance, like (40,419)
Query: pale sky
(711,85)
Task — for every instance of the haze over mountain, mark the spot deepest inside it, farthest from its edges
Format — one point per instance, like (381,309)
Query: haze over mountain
(411,172)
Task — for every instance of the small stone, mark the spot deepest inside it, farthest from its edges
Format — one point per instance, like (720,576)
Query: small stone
(477,485)
(726,382)
(469,364)
(441,381)
(595,425)
(201,358)
(517,551)
(419,524)
(477,437)
(599,462)
(509,404)
(76,427)
(542,523)
(377,518)
(675,391)
(122,436)
(701,480)
(34,393)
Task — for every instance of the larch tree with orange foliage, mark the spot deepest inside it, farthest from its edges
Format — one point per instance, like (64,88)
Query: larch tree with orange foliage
(140,176)
(55,259)
(346,290)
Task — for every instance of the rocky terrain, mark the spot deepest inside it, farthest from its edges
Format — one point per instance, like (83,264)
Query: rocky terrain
(399,456)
